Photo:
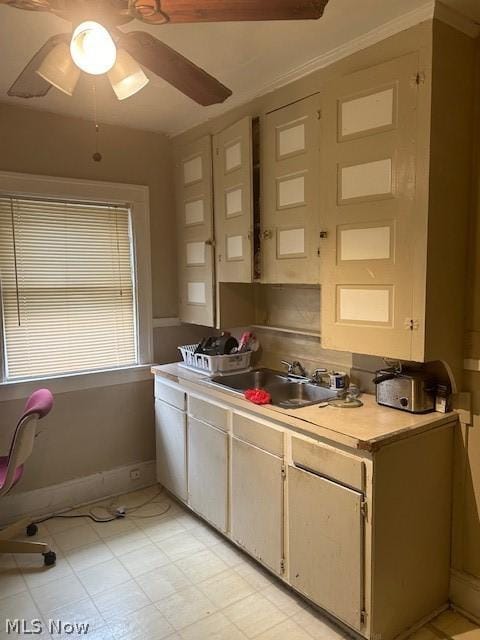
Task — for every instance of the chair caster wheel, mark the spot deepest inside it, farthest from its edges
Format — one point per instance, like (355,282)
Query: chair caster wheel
(49,558)
(32,530)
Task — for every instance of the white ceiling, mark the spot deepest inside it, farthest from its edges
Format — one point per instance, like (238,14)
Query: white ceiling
(250,58)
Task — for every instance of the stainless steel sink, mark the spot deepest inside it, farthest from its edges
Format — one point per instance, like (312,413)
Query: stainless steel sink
(299,394)
(256,379)
(285,391)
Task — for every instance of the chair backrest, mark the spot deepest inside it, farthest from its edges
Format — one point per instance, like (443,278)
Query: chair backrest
(38,405)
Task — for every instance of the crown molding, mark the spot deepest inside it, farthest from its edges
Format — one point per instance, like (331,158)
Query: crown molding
(382,32)
(456,20)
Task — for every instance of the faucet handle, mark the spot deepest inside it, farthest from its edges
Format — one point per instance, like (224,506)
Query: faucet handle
(318,374)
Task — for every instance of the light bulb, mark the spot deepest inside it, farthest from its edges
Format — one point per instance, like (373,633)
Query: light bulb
(92,48)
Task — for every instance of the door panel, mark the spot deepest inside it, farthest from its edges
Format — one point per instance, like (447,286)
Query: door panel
(171,446)
(290,212)
(325,557)
(368,209)
(208,472)
(193,184)
(233,188)
(257,503)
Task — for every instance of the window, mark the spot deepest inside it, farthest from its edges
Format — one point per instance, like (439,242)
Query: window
(69,299)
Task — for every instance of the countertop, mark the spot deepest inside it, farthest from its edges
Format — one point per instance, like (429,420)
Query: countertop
(367,428)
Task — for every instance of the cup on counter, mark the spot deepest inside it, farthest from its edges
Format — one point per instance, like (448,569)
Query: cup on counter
(337,380)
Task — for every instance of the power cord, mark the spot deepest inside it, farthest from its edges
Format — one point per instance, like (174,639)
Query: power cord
(114,510)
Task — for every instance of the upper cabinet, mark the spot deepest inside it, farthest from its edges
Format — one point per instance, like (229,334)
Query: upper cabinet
(290,215)
(194,200)
(233,189)
(363,188)
(396,167)
(369,211)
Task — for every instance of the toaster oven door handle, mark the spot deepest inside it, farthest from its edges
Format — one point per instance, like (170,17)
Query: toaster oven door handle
(384,377)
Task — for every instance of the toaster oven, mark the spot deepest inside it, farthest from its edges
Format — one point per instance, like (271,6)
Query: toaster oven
(411,391)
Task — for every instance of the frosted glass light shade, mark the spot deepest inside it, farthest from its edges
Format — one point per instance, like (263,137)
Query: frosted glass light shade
(92,48)
(127,77)
(59,69)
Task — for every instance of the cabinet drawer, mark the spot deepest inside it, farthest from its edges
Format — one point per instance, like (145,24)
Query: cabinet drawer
(169,393)
(259,434)
(328,462)
(208,412)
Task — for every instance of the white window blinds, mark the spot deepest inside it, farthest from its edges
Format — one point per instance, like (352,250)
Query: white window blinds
(67,287)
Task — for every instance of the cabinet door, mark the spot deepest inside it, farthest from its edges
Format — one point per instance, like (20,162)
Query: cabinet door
(193,186)
(325,526)
(233,194)
(370,213)
(208,472)
(171,446)
(290,177)
(257,503)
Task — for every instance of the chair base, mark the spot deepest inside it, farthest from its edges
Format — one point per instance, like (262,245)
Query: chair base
(9,544)
(23,546)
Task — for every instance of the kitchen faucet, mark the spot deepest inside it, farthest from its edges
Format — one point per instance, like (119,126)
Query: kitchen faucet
(294,366)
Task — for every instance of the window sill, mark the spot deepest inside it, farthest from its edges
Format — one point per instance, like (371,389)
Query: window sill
(18,389)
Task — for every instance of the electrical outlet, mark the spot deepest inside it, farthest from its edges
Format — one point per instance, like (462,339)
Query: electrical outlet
(135,474)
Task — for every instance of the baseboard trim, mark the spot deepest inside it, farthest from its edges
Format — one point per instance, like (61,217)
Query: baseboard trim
(465,592)
(58,497)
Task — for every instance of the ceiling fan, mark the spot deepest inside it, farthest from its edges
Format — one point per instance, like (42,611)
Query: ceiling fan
(97,46)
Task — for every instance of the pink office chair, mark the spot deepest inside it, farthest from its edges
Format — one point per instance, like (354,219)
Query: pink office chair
(38,406)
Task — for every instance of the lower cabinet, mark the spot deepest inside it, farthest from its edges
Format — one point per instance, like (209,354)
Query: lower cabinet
(208,472)
(325,528)
(257,503)
(379,571)
(171,448)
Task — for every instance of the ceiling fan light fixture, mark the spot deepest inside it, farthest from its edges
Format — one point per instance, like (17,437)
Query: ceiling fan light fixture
(58,69)
(93,49)
(127,76)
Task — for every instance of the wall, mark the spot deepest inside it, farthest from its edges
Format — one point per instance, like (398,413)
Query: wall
(88,431)
(100,428)
(43,143)
(467,553)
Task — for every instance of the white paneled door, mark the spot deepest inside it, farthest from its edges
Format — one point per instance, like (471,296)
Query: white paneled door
(369,210)
(233,195)
(290,193)
(193,185)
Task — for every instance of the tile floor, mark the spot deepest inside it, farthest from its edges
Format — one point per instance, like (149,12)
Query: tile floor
(164,577)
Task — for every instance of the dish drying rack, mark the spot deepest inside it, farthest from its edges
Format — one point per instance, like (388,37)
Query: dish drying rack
(214,365)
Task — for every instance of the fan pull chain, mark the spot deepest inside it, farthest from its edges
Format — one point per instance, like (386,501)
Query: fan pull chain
(97,156)
(14,241)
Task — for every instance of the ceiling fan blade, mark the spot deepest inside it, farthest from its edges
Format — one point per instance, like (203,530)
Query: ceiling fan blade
(170,65)
(29,84)
(159,11)
(29,5)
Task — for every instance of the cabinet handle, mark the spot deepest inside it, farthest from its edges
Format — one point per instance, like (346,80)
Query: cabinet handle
(210,243)
(267,234)
(323,234)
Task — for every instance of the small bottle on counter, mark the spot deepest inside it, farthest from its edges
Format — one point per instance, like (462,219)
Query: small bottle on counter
(443,399)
